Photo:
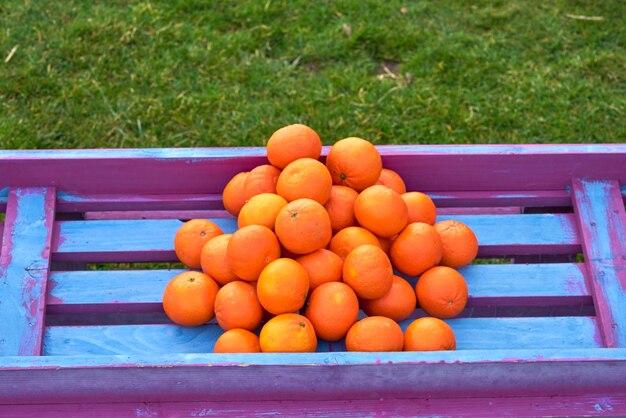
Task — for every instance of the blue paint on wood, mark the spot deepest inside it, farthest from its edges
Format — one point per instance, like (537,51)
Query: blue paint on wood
(202,153)
(24,265)
(471,334)
(602,220)
(535,229)
(541,232)
(498,282)
(4,196)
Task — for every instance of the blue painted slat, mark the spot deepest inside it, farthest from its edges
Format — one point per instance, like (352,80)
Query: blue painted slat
(152,240)
(4,196)
(471,334)
(602,220)
(193,153)
(24,266)
(489,284)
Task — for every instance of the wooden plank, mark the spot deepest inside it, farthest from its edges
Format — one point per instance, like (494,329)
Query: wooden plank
(535,198)
(157,214)
(336,376)
(206,170)
(602,221)
(152,240)
(471,334)
(24,266)
(69,202)
(584,405)
(489,285)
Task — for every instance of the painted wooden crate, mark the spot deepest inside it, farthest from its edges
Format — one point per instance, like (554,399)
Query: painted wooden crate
(546,321)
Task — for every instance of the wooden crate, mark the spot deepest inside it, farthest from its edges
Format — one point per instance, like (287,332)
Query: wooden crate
(544,330)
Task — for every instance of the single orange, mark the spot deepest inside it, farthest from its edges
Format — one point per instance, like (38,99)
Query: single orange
(261,210)
(292,142)
(392,180)
(322,266)
(237,306)
(398,303)
(237,340)
(416,249)
(261,179)
(354,162)
(441,292)
(303,226)
(305,178)
(250,249)
(375,333)
(214,261)
(340,207)
(288,333)
(429,334)
(349,238)
(191,237)
(460,245)
(283,286)
(381,210)
(189,299)
(233,196)
(421,207)
(367,270)
(332,308)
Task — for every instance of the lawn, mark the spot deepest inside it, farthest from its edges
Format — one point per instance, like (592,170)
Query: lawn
(77,74)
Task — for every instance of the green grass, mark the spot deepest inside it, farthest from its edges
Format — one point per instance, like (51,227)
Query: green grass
(201,73)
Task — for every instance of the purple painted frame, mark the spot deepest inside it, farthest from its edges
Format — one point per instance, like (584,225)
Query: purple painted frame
(492,174)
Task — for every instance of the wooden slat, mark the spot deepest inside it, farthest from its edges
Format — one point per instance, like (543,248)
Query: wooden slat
(70,202)
(24,266)
(489,285)
(471,334)
(152,240)
(602,220)
(157,214)
(501,198)
(584,405)
(322,376)
(198,170)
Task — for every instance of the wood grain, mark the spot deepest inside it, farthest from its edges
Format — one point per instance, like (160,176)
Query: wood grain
(602,221)
(24,266)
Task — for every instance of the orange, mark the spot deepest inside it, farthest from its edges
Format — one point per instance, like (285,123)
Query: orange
(385,243)
(340,207)
(460,245)
(189,298)
(250,249)
(283,286)
(441,292)
(429,334)
(261,179)
(305,178)
(367,270)
(381,210)
(392,180)
(214,261)
(398,303)
(332,309)
(303,226)
(237,340)
(191,237)
(292,142)
(288,333)
(375,333)
(322,266)
(354,162)
(416,249)
(233,196)
(237,306)
(421,207)
(349,238)
(261,210)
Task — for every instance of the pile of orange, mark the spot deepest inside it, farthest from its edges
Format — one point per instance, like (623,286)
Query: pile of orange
(317,243)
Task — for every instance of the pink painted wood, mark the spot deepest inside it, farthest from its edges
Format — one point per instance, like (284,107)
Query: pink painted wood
(602,222)
(587,405)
